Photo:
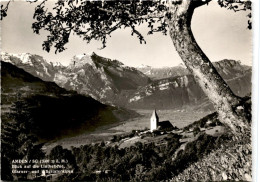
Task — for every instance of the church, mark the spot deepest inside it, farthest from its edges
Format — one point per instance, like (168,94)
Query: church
(155,124)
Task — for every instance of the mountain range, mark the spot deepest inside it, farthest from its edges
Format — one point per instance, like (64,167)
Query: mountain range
(164,72)
(111,82)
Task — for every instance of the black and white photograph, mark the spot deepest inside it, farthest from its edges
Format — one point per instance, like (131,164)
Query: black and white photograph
(127,90)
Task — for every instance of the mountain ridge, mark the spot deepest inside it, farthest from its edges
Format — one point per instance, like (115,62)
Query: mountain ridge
(111,82)
(223,66)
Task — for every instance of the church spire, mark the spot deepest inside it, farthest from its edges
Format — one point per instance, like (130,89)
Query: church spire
(154,121)
(154,115)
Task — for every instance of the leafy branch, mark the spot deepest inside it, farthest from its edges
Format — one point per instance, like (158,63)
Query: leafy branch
(238,5)
(4,10)
(98,19)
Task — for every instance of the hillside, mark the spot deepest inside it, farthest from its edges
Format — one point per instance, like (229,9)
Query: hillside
(17,83)
(230,162)
(203,151)
(54,111)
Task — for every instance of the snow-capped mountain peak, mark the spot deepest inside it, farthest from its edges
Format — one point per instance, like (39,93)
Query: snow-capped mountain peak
(57,64)
(80,60)
(32,63)
(143,66)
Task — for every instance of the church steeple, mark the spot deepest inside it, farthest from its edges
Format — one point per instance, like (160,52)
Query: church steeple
(154,121)
(155,115)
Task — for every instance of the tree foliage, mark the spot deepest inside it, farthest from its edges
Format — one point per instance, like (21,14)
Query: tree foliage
(4,10)
(17,139)
(95,20)
(238,5)
(98,19)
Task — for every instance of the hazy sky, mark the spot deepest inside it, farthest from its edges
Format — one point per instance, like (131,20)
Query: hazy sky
(221,33)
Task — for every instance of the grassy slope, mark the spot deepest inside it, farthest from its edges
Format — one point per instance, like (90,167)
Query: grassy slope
(232,161)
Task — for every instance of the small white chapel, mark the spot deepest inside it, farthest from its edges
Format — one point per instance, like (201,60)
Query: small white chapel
(156,125)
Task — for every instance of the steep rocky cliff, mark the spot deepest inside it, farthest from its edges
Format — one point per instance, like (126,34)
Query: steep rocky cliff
(183,92)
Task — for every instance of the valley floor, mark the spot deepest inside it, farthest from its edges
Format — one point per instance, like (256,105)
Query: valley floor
(178,118)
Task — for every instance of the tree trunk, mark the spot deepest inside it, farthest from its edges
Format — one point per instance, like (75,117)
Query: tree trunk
(225,102)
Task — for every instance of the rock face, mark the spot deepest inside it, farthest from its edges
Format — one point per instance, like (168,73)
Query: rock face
(111,82)
(167,93)
(182,91)
(104,79)
(230,69)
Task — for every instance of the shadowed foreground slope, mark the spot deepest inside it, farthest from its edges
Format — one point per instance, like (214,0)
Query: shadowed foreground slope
(53,111)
